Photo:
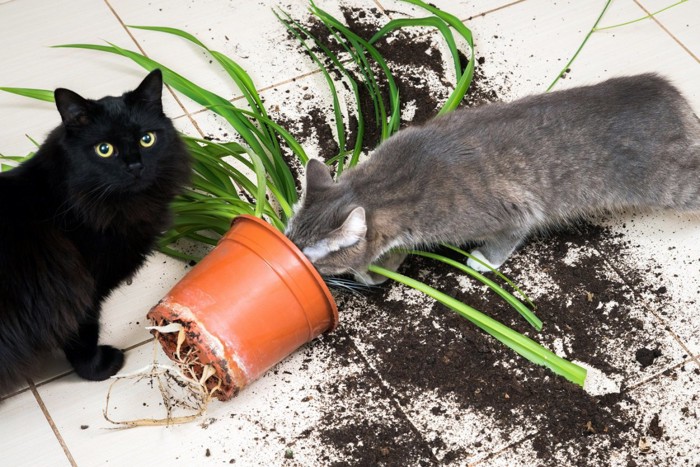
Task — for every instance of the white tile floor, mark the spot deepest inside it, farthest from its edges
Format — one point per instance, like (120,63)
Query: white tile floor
(56,419)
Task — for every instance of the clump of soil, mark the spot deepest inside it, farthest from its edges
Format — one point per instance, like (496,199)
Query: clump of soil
(646,357)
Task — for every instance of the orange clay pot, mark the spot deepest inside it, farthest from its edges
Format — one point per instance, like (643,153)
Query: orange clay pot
(248,304)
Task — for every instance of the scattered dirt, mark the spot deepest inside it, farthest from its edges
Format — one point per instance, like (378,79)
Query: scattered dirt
(417,63)
(433,360)
(439,351)
(654,429)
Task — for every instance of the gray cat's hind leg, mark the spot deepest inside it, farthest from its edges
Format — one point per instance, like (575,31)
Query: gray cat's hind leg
(495,251)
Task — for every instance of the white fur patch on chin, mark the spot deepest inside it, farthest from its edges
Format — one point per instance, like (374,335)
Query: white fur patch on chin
(478,266)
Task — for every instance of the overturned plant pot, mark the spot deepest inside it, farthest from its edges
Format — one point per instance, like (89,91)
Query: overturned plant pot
(248,304)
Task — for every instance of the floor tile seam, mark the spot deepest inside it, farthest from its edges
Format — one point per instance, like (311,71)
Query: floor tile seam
(14,393)
(644,303)
(261,90)
(660,373)
(392,397)
(141,49)
(52,424)
(667,31)
(497,453)
(387,11)
(493,10)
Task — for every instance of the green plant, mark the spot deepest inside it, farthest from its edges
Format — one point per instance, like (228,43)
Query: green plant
(221,190)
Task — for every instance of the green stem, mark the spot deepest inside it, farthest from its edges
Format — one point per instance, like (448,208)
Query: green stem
(651,15)
(580,47)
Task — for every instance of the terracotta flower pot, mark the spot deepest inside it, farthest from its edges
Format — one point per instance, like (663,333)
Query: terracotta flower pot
(248,304)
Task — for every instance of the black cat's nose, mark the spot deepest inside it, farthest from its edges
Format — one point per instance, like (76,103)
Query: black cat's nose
(135,168)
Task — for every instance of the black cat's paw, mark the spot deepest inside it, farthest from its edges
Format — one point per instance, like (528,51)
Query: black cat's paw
(106,362)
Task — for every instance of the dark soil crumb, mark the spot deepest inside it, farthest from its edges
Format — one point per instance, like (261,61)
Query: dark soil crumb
(646,357)
(84,427)
(654,429)
(207,453)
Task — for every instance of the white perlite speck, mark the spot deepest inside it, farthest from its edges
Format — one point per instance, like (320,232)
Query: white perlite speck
(598,383)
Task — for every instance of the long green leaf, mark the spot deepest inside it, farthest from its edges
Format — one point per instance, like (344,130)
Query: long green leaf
(495,271)
(40,94)
(433,21)
(463,83)
(519,343)
(510,299)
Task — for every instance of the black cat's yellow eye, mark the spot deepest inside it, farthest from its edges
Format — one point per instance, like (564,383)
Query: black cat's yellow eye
(104,150)
(148,139)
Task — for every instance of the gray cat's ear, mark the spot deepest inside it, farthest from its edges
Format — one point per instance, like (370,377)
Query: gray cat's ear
(151,88)
(72,107)
(318,175)
(353,229)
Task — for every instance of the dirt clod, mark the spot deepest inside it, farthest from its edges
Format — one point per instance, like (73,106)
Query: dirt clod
(646,356)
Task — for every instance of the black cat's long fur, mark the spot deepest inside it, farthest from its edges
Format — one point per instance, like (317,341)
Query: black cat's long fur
(74,225)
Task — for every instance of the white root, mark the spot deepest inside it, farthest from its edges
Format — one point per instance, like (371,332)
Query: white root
(183,376)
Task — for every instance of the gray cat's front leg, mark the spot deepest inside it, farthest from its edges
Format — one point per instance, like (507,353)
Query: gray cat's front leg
(391,261)
(495,252)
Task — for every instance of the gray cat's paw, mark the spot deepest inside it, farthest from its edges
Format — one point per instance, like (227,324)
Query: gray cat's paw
(478,266)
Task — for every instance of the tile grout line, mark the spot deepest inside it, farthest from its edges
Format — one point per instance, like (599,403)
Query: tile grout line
(54,428)
(493,10)
(653,17)
(495,454)
(658,375)
(646,306)
(392,398)
(13,394)
(133,39)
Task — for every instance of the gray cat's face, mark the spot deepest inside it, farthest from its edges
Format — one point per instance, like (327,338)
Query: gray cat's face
(328,228)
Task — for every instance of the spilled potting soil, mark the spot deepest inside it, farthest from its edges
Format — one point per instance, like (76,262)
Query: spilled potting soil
(412,383)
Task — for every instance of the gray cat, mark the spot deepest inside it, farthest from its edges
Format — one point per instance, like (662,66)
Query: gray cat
(497,173)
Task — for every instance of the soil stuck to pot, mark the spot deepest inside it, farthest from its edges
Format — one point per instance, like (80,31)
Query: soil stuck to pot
(479,395)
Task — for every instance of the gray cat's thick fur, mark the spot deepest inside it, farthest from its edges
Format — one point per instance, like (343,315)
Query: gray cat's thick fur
(496,173)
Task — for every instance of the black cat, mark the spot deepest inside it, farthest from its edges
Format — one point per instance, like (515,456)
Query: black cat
(79,218)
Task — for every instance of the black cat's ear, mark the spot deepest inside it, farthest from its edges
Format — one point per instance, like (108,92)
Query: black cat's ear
(72,107)
(150,90)
(318,175)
